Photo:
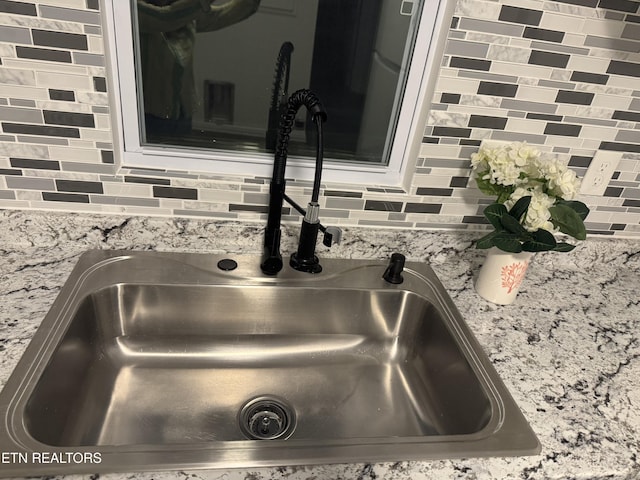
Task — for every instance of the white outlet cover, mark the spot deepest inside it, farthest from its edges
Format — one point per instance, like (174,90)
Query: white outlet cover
(599,173)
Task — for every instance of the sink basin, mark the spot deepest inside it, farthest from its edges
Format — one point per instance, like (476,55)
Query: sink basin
(157,361)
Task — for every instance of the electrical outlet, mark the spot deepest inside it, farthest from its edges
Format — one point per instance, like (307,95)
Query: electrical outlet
(599,173)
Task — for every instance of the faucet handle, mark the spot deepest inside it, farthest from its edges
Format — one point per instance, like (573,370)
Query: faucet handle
(393,273)
(332,235)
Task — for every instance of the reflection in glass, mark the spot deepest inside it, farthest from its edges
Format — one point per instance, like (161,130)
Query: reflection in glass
(212,74)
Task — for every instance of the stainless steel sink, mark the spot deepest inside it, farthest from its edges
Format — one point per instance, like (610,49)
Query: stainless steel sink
(155,361)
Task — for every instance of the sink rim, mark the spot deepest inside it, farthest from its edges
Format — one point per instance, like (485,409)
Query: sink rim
(506,418)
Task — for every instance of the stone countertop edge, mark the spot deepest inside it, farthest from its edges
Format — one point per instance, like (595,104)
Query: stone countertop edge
(568,349)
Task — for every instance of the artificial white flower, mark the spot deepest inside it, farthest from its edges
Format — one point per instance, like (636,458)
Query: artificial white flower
(565,184)
(538,215)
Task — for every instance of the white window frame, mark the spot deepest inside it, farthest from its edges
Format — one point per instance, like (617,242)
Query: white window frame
(423,73)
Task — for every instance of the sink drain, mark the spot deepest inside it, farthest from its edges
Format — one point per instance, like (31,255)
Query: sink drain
(267,418)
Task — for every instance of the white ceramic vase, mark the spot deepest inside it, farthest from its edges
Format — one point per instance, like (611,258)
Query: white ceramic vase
(501,275)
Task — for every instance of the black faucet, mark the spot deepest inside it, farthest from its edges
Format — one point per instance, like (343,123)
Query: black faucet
(304,259)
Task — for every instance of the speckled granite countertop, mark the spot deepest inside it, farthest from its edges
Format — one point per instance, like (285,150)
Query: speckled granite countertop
(568,349)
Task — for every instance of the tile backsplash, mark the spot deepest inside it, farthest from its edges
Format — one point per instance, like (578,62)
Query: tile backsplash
(563,75)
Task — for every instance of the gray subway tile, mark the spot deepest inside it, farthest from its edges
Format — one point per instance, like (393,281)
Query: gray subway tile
(630,6)
(451,132)
(29,183)
(86,167)
(518,137)
(92,30)
(548,59)
(62,95)
(435,192)
(47,38)
(7,195)
(489,77)
(620,147)
(544,116)
(453,98)
(629,116)
(543,34)
(470,63)
(34,163)
(611,43)
(175,192)
(106,156)
(584,3)
(233,207)
(563,129)
(49,55)
(384,223)
(423,208)
(65,197)
(73,119)
(43,140)
(70,15)
(100,84)
(29,115)
(18,8)
(580,161)
(22,102)
(40,130)
(520,15)
(631,31)
(342,193)
(15,35)
(91,59)
(131,201)
(344,203)
(612,192)
(467,49)
(383,206)
(448,163)
(587,77)
(575,98)
(146,180)
(559,48)
(590,121)
(497,89)
(527,106)
(628,136)
(555,84)
(485,121)
(620,67)
(459,182)
(487,26)
(204,213)
(78,186)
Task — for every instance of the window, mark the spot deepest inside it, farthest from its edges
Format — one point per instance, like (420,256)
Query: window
(203,95)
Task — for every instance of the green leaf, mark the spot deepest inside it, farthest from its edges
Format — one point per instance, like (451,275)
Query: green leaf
(512,225)
(520,207)
(486,187)
(541,241)
(487,241)
(568,221)
(580,208)
(493,213)
(563,247)
(507,242)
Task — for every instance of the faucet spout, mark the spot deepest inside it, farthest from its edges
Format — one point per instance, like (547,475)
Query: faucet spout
(272,259)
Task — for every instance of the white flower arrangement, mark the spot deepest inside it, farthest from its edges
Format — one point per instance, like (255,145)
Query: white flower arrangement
(535,198)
